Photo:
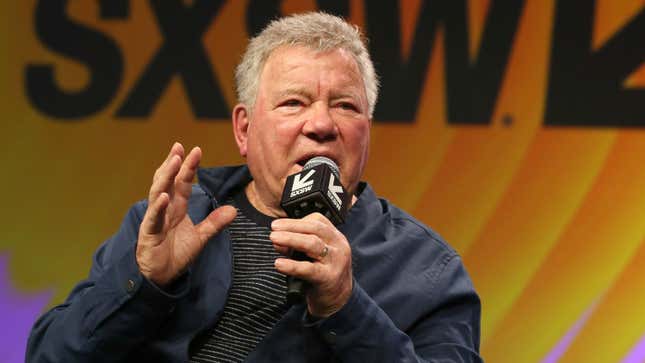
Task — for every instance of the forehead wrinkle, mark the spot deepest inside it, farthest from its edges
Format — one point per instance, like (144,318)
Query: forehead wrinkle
(345,84)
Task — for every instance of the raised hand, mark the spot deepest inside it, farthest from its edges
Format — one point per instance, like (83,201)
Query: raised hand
(168,240)
(330,270)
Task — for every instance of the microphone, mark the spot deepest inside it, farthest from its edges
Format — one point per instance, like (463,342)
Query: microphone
(316,188)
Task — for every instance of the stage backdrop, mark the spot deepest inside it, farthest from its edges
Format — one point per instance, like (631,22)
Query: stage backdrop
(514,128)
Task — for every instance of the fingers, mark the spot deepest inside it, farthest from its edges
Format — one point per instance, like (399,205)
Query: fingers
(164,176)
(184,179)
(316,237)
(174,176)
(313,235)
(284,251)
(305,270)
(176,149)
(215,222)
(189,167)
(153,220)
(310,244)
(313,224)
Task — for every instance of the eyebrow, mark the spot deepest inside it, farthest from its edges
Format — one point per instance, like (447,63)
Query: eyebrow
(294,91)
(345,94)
(304,93)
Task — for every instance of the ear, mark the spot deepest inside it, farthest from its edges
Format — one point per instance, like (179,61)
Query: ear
(241,120)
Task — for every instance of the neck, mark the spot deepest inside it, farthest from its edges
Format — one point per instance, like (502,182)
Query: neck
(260,204)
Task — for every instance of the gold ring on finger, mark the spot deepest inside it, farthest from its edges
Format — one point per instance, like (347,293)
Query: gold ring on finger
(324,251)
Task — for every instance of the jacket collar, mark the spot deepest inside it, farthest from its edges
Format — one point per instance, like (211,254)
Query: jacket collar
(220,182)
(367,209)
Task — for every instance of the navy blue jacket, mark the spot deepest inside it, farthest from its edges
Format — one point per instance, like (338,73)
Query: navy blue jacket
(412,299)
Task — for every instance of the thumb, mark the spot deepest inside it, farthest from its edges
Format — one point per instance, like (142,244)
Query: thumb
(216,221)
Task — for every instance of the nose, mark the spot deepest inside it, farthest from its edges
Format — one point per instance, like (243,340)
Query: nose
(320,124)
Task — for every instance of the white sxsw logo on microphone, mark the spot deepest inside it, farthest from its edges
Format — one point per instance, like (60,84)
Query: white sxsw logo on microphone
(303,185)
(333,192)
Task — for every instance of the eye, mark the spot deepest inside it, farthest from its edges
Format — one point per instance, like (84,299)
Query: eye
(291,103)
(348,106)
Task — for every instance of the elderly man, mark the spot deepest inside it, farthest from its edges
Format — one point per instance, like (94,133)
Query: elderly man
(197,272)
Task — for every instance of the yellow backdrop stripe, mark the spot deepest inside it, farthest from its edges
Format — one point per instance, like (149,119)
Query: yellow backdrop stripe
(592,251)
(622,307)
(561,164)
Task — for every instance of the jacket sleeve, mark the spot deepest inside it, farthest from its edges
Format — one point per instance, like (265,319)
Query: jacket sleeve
(362,332)
(109,313)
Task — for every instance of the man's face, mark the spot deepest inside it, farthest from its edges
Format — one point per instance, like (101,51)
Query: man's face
(308,103)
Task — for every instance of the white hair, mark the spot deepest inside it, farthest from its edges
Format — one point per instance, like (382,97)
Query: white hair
(315,30)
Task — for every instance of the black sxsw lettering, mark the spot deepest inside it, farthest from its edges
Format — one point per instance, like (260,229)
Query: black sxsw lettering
(99,53)
(472,87)
(183,54)
(586,86)
(261,12)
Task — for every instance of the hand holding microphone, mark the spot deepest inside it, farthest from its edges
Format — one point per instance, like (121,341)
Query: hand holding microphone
(319,269)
